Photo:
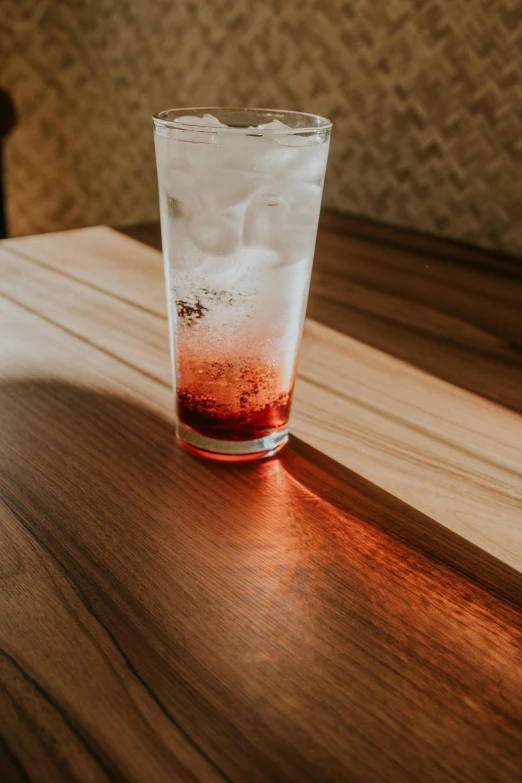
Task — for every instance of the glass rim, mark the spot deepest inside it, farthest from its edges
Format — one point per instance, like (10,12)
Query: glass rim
(160,121)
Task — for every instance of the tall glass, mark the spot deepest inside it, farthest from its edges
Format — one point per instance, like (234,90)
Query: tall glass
(240,194)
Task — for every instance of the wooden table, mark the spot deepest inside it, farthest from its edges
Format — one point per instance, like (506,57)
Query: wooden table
(348,612)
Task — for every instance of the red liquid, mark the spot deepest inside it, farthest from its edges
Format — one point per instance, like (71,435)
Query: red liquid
(235,401)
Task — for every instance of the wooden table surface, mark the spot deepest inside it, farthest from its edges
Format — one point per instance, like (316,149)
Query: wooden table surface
(351,611)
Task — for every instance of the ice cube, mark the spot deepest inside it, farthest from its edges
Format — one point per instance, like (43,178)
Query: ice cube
(206,121)
(221,190)
(213,233)
(265,219)
(310,163)
(258,157)
(200,157)
(272,125)
(292,141)
(270,160)
(304,202)
(181,252)
(303,214)
(182,186)
(197,130)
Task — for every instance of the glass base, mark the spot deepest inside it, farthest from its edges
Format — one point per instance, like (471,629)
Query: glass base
(231,450)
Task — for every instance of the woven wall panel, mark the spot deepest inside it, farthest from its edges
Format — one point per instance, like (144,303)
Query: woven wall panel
(426,96)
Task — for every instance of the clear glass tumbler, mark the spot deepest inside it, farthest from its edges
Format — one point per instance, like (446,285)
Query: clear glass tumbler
(240,193)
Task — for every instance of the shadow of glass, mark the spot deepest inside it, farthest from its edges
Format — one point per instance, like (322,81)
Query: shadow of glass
(250,598)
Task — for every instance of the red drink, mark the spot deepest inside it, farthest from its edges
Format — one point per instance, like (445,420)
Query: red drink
(238,401)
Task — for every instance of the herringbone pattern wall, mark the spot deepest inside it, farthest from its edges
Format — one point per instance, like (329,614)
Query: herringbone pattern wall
(426,96)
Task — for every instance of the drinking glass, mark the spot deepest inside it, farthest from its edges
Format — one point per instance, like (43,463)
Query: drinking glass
(240,194)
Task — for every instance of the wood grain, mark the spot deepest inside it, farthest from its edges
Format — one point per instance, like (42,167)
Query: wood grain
(168,619)
(442,450)
(254,632)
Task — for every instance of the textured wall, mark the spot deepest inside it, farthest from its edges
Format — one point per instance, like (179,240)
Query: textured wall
(426,96)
